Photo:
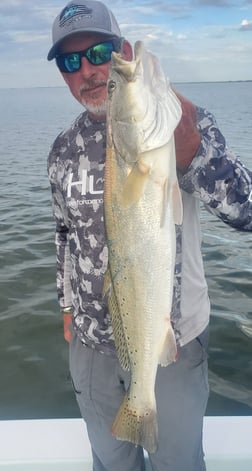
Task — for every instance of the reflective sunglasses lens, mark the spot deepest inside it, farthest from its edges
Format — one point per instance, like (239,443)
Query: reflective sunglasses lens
(72,62)
(69,62)
(96,55)
(100,53)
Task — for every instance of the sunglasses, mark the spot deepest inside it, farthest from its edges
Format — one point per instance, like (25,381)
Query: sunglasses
(98,54)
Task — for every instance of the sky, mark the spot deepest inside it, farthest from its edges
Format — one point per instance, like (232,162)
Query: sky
(196,40)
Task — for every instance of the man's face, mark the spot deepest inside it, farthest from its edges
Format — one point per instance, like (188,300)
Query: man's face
(89,84)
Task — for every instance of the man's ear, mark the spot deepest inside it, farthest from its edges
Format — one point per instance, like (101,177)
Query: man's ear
(126,50)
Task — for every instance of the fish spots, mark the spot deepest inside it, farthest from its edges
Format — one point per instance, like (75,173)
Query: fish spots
(131,412)
(137,220)
(122,304)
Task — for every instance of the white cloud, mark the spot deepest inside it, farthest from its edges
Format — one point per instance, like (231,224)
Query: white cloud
(246,25)
(181,37)
(28,37)
(191,46)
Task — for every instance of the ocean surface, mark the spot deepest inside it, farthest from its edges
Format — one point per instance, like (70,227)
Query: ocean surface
(33,354)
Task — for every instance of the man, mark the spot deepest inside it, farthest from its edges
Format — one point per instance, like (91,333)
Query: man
(84,35)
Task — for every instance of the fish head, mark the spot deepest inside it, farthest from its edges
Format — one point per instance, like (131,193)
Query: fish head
(142,111)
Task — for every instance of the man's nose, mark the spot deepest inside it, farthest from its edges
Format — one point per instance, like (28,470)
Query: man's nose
(87,69)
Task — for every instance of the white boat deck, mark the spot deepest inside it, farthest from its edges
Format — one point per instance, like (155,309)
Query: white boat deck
(62,445)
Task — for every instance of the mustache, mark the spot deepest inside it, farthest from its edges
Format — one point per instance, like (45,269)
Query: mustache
(90,84)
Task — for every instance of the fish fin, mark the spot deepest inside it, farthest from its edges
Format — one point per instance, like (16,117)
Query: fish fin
(164,202)
(168,352)
(118,331)
(134,185)
(177,204)
(138,428)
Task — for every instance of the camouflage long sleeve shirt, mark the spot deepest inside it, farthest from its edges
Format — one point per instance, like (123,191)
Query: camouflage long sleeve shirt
(76,173)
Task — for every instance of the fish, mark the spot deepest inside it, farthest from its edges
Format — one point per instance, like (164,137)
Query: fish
(142,205)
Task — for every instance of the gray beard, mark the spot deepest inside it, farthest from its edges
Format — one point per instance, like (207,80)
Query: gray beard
(96,110)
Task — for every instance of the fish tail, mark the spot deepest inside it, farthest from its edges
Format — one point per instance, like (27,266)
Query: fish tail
(138,427)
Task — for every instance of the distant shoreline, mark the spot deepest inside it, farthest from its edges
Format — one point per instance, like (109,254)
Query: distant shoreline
(174,82)
(219,81)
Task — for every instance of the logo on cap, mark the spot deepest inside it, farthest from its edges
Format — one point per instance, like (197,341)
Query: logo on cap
(74,10)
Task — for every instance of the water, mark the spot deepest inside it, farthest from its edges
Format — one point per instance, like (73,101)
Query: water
(33,354)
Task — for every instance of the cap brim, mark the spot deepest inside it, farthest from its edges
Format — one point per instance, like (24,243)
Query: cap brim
(54,49)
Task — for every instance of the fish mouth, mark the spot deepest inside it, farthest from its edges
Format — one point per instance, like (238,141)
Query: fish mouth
(124,68)
(144,64)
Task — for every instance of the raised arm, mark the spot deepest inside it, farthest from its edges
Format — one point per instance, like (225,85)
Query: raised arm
(187,136)
(210,171)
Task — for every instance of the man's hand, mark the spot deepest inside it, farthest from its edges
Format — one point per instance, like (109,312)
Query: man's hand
(187,136)
(67,319)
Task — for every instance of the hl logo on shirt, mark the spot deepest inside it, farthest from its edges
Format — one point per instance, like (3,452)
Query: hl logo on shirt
(86,183)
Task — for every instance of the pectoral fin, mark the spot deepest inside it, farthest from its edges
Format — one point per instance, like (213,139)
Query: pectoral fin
(164,202)
(134,185)
(177,204)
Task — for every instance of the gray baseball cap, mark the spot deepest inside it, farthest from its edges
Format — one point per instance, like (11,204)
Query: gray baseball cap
(82,16)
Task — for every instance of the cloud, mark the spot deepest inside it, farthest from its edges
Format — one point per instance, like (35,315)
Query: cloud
(25,29)
(161,9)
(194,49)
(17,4)
(24,15)
(181,37)
(245,25)
(27,36)
(172,8)
(213,3)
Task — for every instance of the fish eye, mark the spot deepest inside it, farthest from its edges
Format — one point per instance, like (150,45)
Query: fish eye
(111,86)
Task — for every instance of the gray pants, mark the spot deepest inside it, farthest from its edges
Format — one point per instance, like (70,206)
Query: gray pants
(181,395)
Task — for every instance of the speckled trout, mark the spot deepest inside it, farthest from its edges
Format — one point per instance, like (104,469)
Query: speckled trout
(142,205)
